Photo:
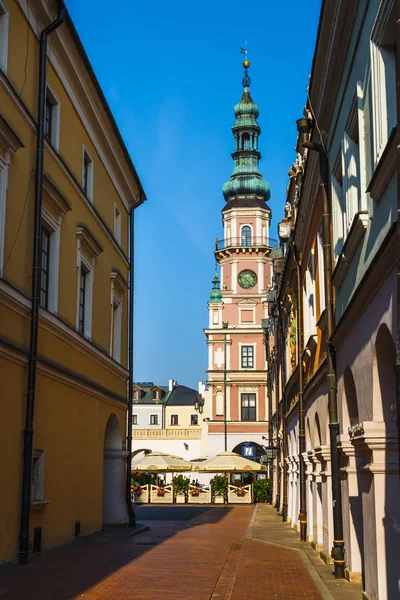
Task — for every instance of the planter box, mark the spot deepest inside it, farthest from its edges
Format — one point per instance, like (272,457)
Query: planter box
(203,498)
(233,498)
(219,500)
(180,499)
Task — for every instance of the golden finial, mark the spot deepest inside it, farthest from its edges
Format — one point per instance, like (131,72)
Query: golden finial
(246,63)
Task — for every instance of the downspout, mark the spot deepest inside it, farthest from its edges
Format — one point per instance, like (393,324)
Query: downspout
(302,424)
(23,552)
(397,364)
(334,429)
(225,401)
(128,493)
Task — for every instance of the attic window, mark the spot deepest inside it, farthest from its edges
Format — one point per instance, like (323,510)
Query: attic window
(136,395)
(156,395)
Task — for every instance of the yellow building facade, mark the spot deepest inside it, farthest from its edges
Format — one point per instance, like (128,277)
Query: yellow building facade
(90,187)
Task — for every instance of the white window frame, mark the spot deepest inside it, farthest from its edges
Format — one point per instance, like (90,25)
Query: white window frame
(245,392)
(117,223)
(116,325)
(135,394)
(89,192)
(309,312)
(4,24)
(134,419)
(351,167)
(89,267)
(241,344)
(383,87)
(54,227)
(55,118)
(155,418)
(177,418)
(37,485)
(3,204)
(251,234)
(321,276)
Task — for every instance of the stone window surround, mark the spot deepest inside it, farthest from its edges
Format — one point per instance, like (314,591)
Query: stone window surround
(87,250)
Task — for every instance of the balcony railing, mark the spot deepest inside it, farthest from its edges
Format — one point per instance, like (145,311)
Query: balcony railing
(247,242)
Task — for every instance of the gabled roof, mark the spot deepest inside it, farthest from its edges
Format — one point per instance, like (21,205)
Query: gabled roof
(182,396)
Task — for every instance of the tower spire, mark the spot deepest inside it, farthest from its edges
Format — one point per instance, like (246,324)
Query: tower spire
(246,179)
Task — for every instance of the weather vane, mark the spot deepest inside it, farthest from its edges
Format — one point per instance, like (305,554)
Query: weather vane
(246,63)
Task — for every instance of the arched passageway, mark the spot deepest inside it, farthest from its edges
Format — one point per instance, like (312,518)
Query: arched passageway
(114,503)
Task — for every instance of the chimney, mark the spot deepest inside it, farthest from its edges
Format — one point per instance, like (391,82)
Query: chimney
(171,384)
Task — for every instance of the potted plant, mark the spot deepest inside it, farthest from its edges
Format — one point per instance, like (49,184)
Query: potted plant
(161,492)
(181,486)
(219,486)
(195,492)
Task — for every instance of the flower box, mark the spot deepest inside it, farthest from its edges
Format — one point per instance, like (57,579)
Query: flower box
(219,500)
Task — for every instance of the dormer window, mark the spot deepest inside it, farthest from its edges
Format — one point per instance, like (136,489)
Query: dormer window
(156,395)
(136,395)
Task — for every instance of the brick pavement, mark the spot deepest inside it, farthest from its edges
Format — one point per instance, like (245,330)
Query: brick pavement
(190,553)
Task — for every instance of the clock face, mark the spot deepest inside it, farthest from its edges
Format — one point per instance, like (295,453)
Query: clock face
(247,279)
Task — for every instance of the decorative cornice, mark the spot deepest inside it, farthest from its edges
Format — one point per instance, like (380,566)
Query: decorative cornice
(354,237)
(119,281)
(84,235)
(8,138)
(52,193)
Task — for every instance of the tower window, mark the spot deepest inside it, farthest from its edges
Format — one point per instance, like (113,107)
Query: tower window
(248,402)
(246,141)
(247,357)
(246,236)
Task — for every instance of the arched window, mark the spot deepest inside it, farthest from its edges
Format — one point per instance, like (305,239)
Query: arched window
(246,236)
(246,141)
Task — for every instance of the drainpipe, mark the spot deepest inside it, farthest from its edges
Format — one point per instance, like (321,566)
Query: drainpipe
(334,430)
(302,424)
(23,552)
(128,493)
(225,325)
(397,364)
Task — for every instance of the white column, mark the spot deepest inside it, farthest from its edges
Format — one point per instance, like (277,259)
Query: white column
(309,493)
(260,275)
(234,273)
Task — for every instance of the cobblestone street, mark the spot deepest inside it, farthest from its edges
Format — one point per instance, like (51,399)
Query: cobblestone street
(189,553)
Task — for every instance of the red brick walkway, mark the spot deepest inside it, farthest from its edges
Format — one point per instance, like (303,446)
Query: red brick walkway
(186,555)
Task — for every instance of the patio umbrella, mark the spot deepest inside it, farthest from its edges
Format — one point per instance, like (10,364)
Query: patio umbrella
(159,462)
(230,462)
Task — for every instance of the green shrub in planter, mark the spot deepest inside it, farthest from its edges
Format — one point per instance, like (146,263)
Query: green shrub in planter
(262,490)
(219,485)
(180,484)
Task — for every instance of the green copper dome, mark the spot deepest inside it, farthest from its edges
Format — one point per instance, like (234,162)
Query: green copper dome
(246,178)
(216,294)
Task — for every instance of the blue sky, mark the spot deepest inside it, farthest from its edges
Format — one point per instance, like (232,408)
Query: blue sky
(171,72)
